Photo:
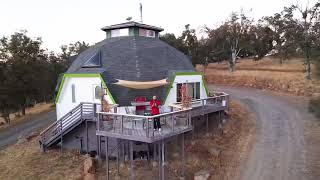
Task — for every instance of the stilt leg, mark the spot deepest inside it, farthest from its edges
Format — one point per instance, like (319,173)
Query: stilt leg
(148,145)
(107,157)
(131,161)
(154,151)
(159,155)
(61,134)
(118,155)
(87,137)
(207,123)
(183,160)
(162,163)
(193,127)
(99,147)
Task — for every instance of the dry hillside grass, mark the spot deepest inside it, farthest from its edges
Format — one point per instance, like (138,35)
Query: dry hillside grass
(267,74)
(26,161)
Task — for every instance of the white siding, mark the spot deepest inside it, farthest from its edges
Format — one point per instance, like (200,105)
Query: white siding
(84,92)
(172,96)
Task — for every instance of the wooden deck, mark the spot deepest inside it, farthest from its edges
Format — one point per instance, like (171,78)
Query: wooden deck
(140,128)
(141,135)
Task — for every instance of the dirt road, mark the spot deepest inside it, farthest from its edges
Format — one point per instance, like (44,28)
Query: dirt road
(282,148)
(10,135)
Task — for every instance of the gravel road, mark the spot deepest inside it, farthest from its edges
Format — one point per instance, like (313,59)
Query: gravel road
(281,148)
(10,135)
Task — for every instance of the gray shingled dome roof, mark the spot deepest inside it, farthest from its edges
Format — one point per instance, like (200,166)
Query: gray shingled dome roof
(132,58)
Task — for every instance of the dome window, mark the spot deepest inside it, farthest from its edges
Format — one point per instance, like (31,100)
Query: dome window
(94,61)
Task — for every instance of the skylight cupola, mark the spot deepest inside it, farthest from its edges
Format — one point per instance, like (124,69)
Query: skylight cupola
(132,28)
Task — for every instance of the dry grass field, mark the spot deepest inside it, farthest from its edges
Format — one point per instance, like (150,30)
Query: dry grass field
(266,74)
(26,161)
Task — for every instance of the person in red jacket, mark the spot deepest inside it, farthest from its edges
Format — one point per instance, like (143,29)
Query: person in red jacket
(155,105)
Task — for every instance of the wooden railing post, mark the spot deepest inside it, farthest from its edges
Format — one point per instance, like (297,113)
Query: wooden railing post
(121,124)
(98,122)
(172,121)
(61,134)
(147,127)
(153,127)
(202,101)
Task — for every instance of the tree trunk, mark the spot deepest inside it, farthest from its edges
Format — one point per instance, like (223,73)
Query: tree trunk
(23,110)
(233,61)
(308,68)
(7,119)
(6,116)
(281,60)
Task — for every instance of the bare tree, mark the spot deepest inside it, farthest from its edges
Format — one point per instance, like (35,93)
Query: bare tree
(310,19)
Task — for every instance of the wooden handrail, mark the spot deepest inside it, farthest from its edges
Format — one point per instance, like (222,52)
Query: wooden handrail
(67,121)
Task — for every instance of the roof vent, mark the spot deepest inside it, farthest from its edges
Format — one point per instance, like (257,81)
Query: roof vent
(94,61)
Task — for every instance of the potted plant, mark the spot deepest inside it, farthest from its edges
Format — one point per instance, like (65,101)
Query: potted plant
(107,121)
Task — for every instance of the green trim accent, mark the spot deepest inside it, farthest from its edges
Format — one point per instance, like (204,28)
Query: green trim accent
(188,73)
(204,84)
(82,75)
(105,85)
(170,87)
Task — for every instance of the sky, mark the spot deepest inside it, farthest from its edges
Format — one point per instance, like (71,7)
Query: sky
(60,22)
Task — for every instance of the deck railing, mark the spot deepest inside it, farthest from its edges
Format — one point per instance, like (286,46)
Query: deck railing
(55,130)
(221,100)
(143,126)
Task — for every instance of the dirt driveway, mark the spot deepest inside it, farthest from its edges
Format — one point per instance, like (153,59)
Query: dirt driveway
(286,145)
(10,135)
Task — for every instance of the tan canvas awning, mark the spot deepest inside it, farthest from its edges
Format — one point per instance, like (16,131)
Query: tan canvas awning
(141,84)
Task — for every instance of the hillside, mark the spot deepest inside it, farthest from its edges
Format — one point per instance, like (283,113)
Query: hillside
(267,74)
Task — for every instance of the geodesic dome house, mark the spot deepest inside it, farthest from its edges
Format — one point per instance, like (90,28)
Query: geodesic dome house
(131,62)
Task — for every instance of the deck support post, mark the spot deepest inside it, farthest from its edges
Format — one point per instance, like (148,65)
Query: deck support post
(148,145)
(207,123)
(162,163)
(118,156)
(107,157)
(193,128)
(98,137)
(122,151)
(154,151)
(183,160)
(61,134)
(87,137)
(131,161)
(99,147)
(159,155)
(220,119)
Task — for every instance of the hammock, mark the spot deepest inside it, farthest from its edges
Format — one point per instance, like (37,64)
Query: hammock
(141,84)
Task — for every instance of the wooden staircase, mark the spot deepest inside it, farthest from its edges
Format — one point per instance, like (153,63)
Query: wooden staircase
(54,133)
